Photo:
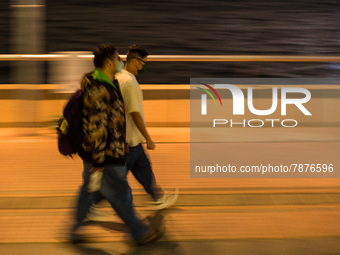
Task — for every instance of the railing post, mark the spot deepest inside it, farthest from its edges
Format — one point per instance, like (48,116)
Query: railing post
(27,37)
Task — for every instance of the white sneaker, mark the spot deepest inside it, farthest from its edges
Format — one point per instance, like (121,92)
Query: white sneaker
(166,201)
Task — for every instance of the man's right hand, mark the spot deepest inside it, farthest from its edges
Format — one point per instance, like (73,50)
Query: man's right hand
(150,145)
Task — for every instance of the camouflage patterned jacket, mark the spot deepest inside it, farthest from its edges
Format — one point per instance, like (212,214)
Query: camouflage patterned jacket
(103,122)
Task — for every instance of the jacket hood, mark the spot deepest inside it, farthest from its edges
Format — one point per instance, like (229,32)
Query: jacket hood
(87,81)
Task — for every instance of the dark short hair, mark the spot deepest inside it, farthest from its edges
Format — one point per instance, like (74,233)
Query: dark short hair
(102,52)
(136,51)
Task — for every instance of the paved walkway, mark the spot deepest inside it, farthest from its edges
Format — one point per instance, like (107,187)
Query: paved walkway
(212,216)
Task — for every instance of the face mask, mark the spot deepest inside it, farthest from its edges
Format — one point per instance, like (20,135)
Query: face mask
(142,70)
(121,66)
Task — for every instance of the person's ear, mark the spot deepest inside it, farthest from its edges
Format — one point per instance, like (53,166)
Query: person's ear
(109,62)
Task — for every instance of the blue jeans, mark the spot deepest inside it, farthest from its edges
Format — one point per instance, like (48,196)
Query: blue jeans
(140,166)
(117,192)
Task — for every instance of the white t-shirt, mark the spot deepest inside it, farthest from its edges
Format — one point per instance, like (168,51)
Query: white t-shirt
(133,101)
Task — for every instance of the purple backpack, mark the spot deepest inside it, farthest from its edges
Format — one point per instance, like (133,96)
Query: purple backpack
(70,128)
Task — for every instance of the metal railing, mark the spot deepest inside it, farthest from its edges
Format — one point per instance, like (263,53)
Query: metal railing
(40,102)
(180,58)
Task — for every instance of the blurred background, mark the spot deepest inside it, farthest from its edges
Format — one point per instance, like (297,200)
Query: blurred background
(178,28)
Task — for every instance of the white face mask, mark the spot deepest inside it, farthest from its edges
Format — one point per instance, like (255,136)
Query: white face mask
(120,66)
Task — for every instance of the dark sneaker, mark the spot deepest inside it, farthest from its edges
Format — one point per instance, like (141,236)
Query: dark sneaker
(152,235)
(76,238)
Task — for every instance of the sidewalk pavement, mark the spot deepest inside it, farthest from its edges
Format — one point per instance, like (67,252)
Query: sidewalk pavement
(212,216)
(182,134)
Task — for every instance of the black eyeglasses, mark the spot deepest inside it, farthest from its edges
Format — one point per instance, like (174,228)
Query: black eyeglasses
(144,62)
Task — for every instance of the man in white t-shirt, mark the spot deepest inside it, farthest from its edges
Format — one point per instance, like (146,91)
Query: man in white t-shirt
(136,132)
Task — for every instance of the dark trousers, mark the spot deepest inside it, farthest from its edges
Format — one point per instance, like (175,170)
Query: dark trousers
(139,165)
(114,188)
